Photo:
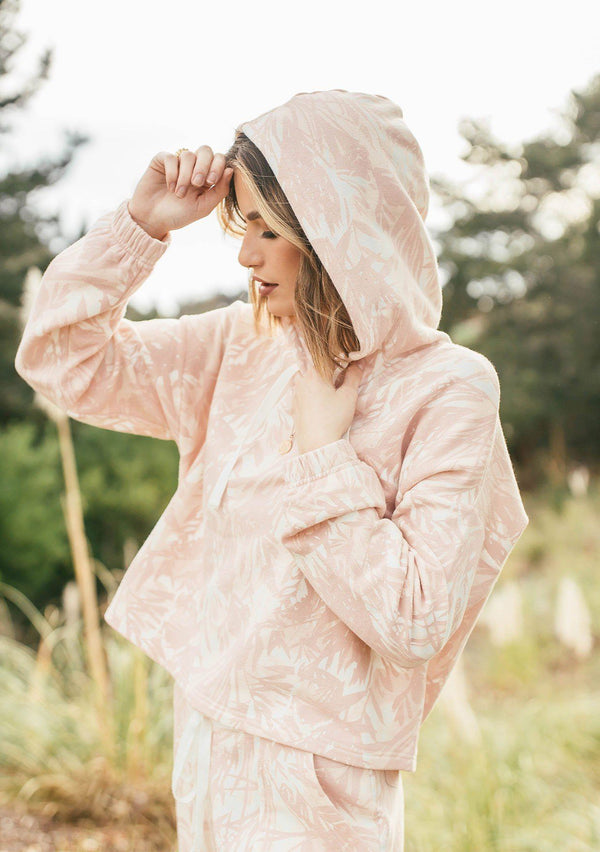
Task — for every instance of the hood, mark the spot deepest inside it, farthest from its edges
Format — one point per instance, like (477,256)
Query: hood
(355,177)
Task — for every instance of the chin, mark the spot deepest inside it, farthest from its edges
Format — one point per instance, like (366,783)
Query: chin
(280,311)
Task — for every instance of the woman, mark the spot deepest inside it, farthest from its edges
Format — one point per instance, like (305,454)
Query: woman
(346,500)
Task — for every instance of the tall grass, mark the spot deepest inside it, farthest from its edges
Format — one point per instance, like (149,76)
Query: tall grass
(532,785)
(54,752)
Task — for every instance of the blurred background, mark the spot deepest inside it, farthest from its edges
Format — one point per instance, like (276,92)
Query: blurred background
(506,109)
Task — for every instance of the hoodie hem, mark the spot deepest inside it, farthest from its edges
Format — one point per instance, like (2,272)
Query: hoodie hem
(238,721)
(227,717)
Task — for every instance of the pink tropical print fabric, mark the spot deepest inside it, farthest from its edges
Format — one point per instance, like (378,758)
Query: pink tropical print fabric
(236,791)
(318,600)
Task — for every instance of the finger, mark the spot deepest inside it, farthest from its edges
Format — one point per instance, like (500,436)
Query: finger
(220,188)
(171,164)
(204,156)
(187,160)
(216,169)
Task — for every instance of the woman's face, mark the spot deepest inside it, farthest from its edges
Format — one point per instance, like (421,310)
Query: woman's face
(271,257)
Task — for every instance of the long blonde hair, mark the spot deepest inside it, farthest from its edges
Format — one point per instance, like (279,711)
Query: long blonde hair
(320,313)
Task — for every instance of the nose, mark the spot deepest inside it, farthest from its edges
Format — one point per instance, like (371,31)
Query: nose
(250,253)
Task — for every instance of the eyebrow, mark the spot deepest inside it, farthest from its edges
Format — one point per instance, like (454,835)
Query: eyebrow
(252,215)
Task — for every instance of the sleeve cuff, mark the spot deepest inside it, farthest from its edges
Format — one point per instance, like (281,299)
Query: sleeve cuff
(320,461)
(135,239)
(346,484)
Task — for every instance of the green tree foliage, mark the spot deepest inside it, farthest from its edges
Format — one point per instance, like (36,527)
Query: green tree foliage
(23,229)
(126,482)
(34,555)
(523,265)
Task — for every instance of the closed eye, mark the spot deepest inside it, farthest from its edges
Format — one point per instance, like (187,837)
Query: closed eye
(268,235)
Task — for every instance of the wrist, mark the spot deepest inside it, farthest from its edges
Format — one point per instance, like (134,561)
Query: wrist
(315,444)
(156,232)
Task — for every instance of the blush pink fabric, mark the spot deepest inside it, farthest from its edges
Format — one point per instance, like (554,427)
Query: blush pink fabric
(317,600)
(236,791)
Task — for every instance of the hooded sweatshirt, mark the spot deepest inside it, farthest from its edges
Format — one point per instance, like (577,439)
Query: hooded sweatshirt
(318,599)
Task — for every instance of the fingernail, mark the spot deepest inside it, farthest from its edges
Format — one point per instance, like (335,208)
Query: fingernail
(198,179)
(211,177)
(181,191)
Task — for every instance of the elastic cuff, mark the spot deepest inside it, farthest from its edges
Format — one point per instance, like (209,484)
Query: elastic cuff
(320,461)
(135,239)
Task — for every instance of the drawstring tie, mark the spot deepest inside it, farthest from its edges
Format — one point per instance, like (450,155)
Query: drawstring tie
(261,412)
(195,740)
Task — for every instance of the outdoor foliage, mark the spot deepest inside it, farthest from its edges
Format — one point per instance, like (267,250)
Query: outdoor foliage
(522,256)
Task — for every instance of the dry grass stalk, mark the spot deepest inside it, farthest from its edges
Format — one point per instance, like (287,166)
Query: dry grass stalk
(454,699)
(572,622)
(503,614)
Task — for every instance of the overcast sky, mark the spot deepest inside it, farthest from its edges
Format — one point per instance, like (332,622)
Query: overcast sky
(139,77)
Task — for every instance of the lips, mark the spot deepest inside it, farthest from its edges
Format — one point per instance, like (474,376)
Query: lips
(267,283)
(265,289)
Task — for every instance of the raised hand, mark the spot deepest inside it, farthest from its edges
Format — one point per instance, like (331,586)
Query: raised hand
(175,191)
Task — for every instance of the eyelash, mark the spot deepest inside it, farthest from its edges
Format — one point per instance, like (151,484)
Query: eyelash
(268,235)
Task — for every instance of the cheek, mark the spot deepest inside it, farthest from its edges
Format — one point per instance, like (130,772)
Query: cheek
(291,260)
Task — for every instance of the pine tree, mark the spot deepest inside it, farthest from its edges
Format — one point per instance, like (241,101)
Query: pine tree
(21,243)
(523,286)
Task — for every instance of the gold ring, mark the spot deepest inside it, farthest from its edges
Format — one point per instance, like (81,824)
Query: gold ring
(179,150)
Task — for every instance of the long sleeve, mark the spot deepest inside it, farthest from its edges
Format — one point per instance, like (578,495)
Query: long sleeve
(401,583)
(79,351)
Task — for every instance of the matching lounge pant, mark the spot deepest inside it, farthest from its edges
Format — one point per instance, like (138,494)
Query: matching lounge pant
(237,792)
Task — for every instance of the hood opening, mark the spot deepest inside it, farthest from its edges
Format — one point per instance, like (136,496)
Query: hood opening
(355,177)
